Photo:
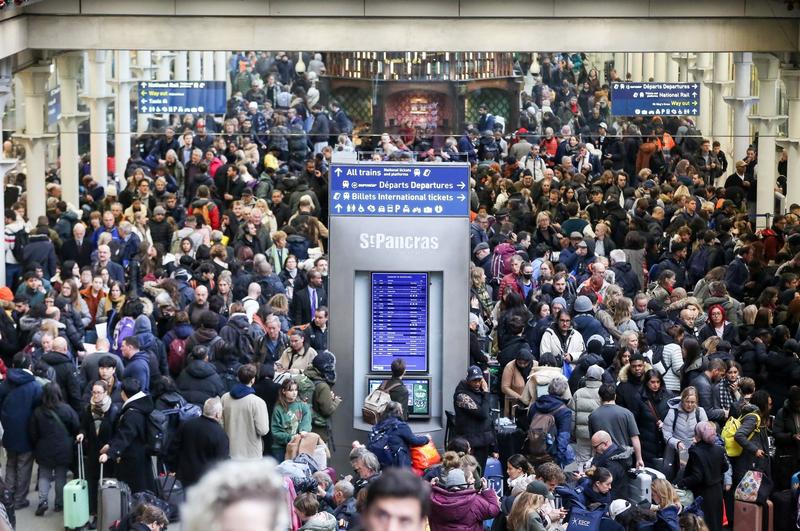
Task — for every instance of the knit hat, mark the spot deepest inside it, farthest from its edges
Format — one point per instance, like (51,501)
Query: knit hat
(561,301)
(455,479)
(583,304)
(6,294)
(325,363)
(537,487)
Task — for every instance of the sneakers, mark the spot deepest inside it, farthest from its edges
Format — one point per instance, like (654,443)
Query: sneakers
(41,509)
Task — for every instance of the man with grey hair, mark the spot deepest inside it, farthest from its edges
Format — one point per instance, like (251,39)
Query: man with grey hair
(624,275)
(366,465)
(199,443)
(273,343)
(130,243)
(344,505)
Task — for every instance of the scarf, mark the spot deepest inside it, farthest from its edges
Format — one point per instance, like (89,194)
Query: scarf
(98,412)
(112,303)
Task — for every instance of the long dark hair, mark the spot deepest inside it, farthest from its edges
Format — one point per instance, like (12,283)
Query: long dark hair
(52,396)
(287,385)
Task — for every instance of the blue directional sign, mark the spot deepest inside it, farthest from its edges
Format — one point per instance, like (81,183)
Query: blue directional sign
(405,190)
(655,99)
(207,97)
(53,105)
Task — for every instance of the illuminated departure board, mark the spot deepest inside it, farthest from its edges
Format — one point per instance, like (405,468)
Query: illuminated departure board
(399,320)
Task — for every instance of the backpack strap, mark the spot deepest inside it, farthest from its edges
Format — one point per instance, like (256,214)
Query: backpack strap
(387,389)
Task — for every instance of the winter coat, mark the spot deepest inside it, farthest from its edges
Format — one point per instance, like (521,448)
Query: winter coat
(679,425)
(198,444)
(322,521)
(629,387)
(208,338)
(585,400)
(751,441)
(672,361)
(20,393)
(705,399)
(785,427)
(242,336)
(540,378)
(588,325)
(199,381)
(128,444)
(323,402)
(729,333)
(52,438)
(246,422)
(463,510)
(617,459)
(473,416)
(138,367)
(400,439)
(551,342)
(703,475)
(749,355)
(649,410)
(40,252)
(557,407)
(510,349)
(66,377)
(626,278)
(512,384)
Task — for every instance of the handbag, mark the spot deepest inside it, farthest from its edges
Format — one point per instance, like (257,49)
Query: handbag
(755,487)
(425,456)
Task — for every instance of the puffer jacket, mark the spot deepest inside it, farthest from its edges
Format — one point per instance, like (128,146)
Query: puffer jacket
(679,425)
(200,381)
(462,510)
(551,343)
(672,360)
(540,377)
(586,400)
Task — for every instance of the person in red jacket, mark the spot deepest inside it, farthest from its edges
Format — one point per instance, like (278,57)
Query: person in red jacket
(549,147)
(203,205)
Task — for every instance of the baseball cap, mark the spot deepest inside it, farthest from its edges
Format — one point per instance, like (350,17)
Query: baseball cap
(575,235)
(595,372)
(474,373)
(618,507)
(483,246)
(582,244)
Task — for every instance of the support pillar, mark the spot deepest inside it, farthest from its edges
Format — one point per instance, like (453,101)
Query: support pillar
(208,66)
(721,116)
(741,101)
(648,66)
(768,68)
(701,74)
(122,112)
(19,105)
(143,70)
(68,66)
(791,79)
(221,70)
(6,165)
(180,65)
(98,98)
(673,67)
(195,66)
(34,137)
(620,64)
(164,65)
(660,68)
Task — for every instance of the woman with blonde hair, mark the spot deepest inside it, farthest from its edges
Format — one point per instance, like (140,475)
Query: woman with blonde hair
(268,219)
(280,308)
(621,311)
(669,505)
(526,512)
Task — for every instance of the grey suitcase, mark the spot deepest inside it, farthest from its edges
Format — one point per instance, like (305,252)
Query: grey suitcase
(640,485)
(114,501)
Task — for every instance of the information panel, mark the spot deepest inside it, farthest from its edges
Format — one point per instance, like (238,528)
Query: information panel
(654,99)
(206,97)
(405,190)
(419,395)
(399,321)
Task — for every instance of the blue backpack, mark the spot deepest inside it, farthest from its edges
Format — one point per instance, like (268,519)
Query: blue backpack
(585,520)
(123,330)
(378,444)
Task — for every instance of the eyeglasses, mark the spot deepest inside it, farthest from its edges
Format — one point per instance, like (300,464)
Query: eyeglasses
(598,445)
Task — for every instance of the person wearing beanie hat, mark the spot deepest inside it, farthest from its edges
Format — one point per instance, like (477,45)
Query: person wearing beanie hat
(618,507)
(526,511)
(704,473)
(324,401)
(457,503)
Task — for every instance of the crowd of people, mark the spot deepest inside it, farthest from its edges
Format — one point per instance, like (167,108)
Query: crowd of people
(624,313)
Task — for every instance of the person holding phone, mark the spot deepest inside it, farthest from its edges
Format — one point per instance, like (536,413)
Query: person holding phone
(473,414)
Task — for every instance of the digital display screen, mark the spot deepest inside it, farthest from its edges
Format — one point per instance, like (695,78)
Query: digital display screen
(419,395)
(399,321)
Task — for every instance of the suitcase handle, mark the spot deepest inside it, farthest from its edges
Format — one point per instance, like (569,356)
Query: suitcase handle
(81,471)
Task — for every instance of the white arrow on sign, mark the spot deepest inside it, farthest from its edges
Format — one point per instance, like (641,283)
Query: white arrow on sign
(338,171)
(694,94)
(462,185)
(461,197)
(338,207)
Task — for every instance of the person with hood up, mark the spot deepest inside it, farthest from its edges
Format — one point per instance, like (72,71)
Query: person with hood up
(585,400)
(148,342)
(458,504)
(553,404)
(324,401)
(585,322)
(245,415)
(127,446)
(562,340)
(199,381)
(515,375)
(399,436)
(678,429)
(473,419)
(705,471)
(206,335)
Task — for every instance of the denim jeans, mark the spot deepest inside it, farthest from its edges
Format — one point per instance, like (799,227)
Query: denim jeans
(45,473)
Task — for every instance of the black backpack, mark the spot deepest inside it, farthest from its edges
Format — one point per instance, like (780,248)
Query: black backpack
(20,241)
(157,428)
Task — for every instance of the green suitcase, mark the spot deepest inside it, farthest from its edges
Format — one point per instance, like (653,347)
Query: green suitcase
(76,498)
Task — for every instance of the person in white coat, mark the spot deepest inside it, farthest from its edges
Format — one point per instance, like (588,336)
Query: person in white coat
(562,340)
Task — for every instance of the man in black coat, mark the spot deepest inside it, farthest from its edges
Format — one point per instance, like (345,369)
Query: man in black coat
(160,229)
(473,414)
(704,384)
(617,459)
(128,447)
(306,301)
(66,373)
(624,276)
(631,383)
(316,334)
(40,252)
(199,444)
(200,381)
(78,248)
